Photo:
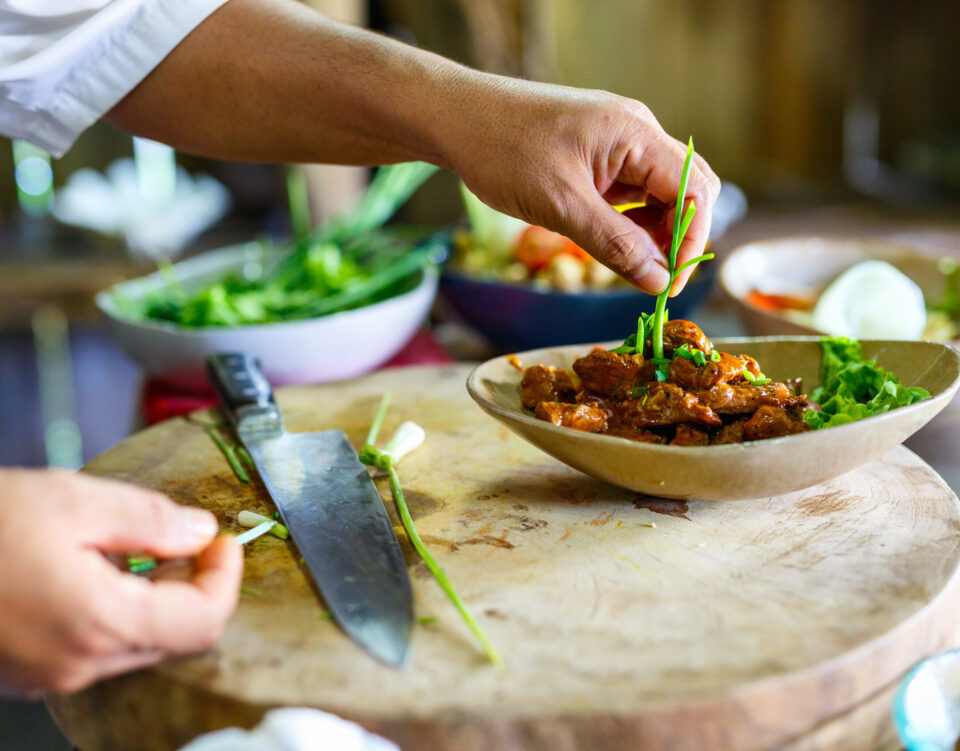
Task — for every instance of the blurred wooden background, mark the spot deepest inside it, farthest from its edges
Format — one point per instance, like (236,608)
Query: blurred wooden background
(763,85)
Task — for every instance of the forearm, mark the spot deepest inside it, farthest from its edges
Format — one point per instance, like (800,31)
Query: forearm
(272,80)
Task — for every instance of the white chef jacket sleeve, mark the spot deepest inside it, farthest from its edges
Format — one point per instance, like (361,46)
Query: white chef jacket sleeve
(66,63)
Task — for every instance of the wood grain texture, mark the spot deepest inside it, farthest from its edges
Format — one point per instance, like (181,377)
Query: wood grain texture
(624,621)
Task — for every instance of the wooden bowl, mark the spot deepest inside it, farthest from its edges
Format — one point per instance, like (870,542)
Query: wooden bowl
(738,471)
(792,265)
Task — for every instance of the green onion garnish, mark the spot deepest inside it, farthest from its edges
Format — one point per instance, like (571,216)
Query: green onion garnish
(680,225)
(653,325)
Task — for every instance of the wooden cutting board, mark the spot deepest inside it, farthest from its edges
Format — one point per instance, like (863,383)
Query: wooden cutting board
(625,622)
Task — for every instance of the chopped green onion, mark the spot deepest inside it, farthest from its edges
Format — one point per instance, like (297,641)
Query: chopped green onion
(244,455)
(138,564)
(715,356)
(229,454)
(251,591)
(428,620)
(760,380)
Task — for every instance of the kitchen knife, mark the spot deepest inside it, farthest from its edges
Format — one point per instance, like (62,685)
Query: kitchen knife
(332,508)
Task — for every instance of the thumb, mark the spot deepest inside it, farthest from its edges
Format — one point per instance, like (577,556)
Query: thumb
(123,518)
(619,243)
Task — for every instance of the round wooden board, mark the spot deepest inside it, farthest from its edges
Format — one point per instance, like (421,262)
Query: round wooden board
(624,621)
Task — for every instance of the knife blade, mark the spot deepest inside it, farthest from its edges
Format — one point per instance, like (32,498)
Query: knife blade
(333,510)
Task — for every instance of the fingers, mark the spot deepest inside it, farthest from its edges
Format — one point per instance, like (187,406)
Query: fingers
(115,517)
(658,167)
(694,244)
(617,242)
(185,617)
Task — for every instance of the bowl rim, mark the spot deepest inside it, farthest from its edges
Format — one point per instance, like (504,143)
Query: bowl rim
(474,389)
(429,277)
(890,249)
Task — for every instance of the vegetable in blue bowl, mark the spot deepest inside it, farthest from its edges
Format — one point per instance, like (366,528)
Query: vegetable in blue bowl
(522,316)
(522,286)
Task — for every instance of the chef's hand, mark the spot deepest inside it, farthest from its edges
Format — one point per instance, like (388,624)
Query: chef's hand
(552,155)
(68,617)
(559,157)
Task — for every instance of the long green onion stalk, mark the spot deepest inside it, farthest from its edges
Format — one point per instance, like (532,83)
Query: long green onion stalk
(681,224)
(372,456)
(653,325)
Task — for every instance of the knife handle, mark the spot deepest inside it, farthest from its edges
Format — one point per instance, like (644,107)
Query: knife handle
(244,391)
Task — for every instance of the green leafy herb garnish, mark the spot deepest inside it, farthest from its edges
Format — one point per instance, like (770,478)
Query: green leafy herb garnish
(372,456)
(853,387)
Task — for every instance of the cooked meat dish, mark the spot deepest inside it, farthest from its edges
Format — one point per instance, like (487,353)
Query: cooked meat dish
(689,399)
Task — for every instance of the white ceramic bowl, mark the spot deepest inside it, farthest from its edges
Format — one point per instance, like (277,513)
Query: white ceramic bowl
(807,264)
(311,350)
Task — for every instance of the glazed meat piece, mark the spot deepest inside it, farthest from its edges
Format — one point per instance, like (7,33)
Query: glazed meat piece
(635,434)
(665,404)
(607,374)
(542,383)
(678,332)
(687,436)
(743,398)
(772,422)
(729,433)
(695,377)
(587,417)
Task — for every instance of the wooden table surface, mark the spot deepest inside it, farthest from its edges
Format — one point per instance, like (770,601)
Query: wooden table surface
(623,620)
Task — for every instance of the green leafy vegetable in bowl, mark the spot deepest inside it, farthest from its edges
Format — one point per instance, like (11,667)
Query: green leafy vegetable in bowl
(853,387)
(343,265)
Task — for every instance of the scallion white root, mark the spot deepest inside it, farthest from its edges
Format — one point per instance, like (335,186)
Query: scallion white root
(251,519)
(256,532)
(407,437)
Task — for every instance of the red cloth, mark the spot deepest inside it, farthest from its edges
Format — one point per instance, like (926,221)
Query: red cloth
(160,401)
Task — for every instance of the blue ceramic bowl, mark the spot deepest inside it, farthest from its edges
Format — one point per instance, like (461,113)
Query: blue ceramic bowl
(519,316)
